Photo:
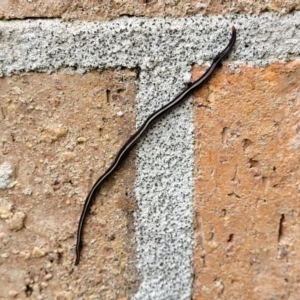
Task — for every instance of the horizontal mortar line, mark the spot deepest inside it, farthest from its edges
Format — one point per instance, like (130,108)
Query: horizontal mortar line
(51,44)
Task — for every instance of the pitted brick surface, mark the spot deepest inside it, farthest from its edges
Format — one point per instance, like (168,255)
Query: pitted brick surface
(103,10)
(247,141)
(163,50)
(59,132)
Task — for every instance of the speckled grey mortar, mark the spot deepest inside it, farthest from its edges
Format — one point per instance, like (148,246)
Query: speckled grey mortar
(164,50)
(46,45)
(6,172)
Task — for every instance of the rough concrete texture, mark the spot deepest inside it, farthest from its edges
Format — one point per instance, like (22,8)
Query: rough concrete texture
(164,190)
(247,180)
(59,132)
(46,45)
(164,51)
(5,175)
(102,10)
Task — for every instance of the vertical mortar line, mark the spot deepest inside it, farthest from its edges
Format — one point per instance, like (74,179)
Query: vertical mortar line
(164,185)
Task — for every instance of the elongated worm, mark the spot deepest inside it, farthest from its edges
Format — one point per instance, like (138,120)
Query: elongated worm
(135,137)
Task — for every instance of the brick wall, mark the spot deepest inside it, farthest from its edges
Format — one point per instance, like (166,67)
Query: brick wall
(206,206)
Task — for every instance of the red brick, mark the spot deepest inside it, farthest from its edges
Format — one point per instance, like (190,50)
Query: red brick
(60,132)
(247,139)
(103,10)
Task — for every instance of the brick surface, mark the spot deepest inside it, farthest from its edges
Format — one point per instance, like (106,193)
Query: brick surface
(101,10)
(59,132)
(247,139)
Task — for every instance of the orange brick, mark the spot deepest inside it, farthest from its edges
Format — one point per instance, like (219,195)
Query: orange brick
(102,10)
(247,139)
(60,132)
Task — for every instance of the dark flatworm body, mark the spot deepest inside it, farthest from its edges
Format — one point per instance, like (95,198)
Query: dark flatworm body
(135,137)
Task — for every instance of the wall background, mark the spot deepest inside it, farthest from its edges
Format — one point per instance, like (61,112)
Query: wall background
(208,205)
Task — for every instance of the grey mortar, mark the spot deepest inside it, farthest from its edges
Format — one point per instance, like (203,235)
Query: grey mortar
(48,45)
(164,50)
(6,173)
